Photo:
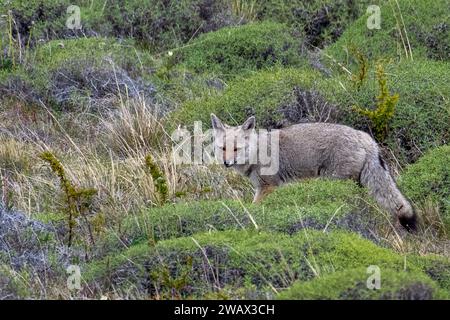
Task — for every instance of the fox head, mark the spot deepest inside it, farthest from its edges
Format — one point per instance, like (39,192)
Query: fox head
(233,145)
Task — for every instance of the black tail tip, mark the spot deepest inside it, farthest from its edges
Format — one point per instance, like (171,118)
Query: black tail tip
(409,223)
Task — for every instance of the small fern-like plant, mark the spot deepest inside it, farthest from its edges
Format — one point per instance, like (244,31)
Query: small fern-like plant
(159,180)
(381,116)
(77,200)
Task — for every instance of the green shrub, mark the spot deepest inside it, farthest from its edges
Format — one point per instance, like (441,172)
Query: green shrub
(154,24)
(53,54)
(352,285)
(422,114)
(236,50)
(263,95)
(429,179)
(157,25)
(437,267)
(228,258)
(419,28)
(68,74)
(159,180)
(319,22)
(13,284)
(37,19)
(318,204)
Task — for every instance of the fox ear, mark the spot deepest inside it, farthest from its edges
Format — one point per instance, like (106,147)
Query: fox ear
(216,123)
(249,124)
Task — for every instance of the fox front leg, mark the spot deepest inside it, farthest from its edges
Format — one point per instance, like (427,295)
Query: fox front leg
(262,192)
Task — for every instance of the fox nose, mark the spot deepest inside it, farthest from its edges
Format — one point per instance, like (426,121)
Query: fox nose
(228,163)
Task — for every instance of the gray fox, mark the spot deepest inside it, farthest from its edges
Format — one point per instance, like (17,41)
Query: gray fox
(313,150)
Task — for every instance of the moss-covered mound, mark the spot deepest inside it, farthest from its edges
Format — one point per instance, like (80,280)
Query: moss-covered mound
(237,50)
(429,180)
(437,267)
(411,29)
(352,285)
(154,24)
(318,204)
(71,73)
(263,94)
(421,117)
(227,258)
(208,262)
(319,22)
(282,96)
(35,20)
(159,24)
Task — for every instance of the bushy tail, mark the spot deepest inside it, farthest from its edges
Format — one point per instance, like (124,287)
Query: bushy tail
(376,177)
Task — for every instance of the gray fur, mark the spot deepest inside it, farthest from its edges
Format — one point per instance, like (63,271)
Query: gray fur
(328,150)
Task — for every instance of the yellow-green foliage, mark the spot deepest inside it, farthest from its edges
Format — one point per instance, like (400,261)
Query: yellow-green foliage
(158,179)
(361,76)
(78,200)
(383,113)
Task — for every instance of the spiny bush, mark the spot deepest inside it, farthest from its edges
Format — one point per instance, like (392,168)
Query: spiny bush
(236,50)
(352,285)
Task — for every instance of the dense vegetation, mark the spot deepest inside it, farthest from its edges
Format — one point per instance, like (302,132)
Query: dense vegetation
(88,178)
